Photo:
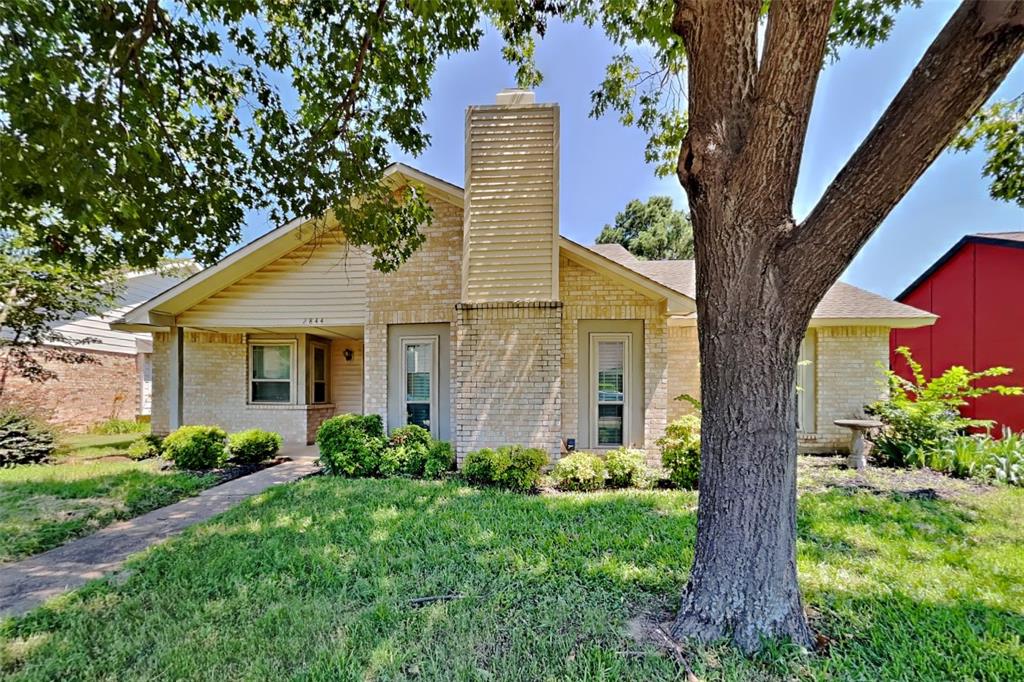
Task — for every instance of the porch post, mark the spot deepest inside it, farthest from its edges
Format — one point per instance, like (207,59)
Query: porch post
(176,378)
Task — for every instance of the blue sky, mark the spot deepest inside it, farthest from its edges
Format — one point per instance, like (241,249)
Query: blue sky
(602,164)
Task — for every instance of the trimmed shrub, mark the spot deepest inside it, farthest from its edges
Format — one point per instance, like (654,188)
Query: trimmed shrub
(579,471)
(406,452)
(440,459)
(517,468)
(196,447)
(24,439)
(351,444)
(478,467)
(253,445)
(116,426)
(147,447)
(680,451)
(625,467)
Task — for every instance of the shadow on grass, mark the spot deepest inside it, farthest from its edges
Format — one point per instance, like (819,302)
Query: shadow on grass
(315,580)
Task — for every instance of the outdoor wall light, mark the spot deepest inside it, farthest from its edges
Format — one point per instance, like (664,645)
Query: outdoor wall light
(348,355)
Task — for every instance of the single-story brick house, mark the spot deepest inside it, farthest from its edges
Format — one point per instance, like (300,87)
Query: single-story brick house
(116,383)
(498,330)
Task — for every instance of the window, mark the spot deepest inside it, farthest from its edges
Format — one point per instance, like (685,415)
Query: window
(609,362)
(419,369)
(805,384)
(318,373)
(272,371)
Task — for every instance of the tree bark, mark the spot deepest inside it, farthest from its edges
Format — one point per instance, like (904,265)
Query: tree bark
(743,584)
(760,275)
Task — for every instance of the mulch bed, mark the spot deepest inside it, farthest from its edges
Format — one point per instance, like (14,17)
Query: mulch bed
(818,473)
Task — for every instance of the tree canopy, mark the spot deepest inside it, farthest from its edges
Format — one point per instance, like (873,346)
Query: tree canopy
(651,230)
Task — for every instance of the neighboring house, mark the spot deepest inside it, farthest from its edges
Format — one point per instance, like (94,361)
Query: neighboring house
(975,288)
(496,331)
(117,382)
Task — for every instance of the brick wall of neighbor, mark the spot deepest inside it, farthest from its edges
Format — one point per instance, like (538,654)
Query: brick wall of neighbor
(423,290)
(81,395)
(683,369)
(507,389)
(849,376)
(588,295)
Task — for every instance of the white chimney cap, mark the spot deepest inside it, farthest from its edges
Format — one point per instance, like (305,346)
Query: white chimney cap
(515,96)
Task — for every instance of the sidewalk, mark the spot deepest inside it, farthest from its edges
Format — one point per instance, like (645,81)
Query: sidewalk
(28,583)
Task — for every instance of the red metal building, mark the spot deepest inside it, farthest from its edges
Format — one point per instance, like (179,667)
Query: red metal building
(977,290)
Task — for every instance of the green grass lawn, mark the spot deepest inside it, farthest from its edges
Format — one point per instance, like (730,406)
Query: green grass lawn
(313,580)
(86,487)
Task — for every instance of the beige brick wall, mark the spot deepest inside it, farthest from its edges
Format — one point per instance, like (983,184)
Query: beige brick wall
(683,369)
(587,295)
(850,362)
(847,377)
(507,386)
(160,406)
(424,289)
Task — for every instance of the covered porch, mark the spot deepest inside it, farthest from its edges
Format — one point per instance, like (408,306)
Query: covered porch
(286,379)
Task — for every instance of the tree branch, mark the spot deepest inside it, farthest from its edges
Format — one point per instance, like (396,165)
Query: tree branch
(786,81)
(960,70)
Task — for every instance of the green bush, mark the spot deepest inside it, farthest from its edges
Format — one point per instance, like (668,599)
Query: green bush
(922,417)
(1004,460)
(196,447)
(680,451)
(478,467)
(625,467)
(253,445)
(116,426)
(351,444)
(406,452)
(24,439)
(440,459)
(517,468)
(147,447)
(579,471)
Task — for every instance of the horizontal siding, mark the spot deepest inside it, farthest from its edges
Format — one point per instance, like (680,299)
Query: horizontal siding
(96,328)
(318,284)
(511,204)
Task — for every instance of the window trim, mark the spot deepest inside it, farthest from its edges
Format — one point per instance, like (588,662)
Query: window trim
(595,393)
(435,342)
(292,372)
(311,380)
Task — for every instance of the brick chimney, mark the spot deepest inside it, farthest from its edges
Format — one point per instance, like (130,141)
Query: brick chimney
(508,334)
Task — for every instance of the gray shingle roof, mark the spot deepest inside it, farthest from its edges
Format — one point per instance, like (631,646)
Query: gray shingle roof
(841,302)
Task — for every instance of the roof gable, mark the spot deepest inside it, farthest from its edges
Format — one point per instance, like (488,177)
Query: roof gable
(1013,240)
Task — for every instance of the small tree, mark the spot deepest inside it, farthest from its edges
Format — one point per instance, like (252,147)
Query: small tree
(651,230)
(923,415)
(34,296)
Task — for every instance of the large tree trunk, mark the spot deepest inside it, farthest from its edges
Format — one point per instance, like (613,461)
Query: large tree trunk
(760,274)
(743,583)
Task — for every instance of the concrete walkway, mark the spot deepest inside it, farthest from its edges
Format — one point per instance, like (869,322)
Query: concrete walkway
(26,584)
